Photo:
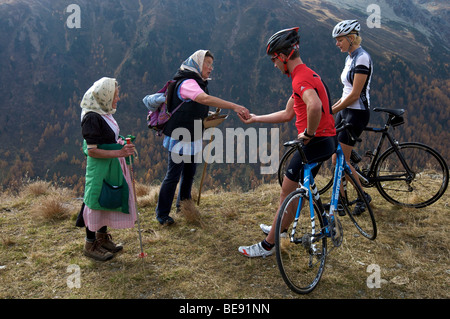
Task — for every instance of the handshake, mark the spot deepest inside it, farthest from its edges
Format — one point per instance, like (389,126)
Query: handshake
(244,114)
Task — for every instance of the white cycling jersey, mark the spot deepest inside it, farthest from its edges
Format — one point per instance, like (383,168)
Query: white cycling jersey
(359,61)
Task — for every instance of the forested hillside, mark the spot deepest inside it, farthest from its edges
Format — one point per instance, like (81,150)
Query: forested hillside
(47,65)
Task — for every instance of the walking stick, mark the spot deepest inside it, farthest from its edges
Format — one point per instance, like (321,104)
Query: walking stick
(142,254)
(211,121)
(203,175)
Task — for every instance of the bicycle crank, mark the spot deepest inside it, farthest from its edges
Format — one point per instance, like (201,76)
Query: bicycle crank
(337,232)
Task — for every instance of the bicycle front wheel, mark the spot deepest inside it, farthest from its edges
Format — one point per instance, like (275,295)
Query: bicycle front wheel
(423,186)
(301,247)
(357,207)
(324,178)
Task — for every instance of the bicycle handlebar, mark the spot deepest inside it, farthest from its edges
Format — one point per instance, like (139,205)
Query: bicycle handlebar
(343,125)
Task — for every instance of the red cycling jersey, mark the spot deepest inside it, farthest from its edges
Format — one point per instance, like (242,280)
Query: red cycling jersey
(303,78)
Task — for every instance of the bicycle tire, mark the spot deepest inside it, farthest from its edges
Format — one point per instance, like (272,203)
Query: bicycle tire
(285,159)
(428,184)
(323,181)
(328,177)
(352,195)
(301,261)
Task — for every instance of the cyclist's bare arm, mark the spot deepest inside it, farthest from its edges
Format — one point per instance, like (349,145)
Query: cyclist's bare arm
(313,110)
(276,117)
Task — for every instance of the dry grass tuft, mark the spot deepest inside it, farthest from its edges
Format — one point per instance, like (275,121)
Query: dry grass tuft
(37,188)
(142,189)
(7,242)
(51,208)
(152,236)
(191,213)
(147,196)
(49,202)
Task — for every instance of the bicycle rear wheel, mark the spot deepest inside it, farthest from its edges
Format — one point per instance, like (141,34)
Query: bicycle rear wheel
(323,179)
(350,198)
(300,252)
(428,181)
(284,162)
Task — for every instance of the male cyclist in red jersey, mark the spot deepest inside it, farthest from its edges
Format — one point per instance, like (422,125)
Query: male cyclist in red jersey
(309,103)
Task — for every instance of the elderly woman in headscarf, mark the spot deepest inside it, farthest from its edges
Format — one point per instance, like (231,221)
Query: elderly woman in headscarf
(108,198)
(191,88)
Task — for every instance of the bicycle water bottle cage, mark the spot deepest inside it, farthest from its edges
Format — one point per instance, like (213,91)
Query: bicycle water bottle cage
(355,157)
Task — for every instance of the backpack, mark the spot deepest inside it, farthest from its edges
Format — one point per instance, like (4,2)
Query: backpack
(158,106)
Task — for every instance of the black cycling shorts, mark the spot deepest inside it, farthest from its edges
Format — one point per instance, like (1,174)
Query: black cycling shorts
(359,120)
(319,149)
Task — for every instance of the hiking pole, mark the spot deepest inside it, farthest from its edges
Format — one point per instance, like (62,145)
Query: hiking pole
(142,254)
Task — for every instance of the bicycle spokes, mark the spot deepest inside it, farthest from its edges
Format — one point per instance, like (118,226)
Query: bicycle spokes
(417,179)
(301,250)
(356,204)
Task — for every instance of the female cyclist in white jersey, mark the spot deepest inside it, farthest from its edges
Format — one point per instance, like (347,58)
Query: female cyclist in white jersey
(354,105)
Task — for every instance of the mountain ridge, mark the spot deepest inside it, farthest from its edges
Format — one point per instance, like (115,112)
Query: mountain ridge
(48,67)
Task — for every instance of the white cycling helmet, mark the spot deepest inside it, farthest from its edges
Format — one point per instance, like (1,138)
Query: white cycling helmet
(346,27)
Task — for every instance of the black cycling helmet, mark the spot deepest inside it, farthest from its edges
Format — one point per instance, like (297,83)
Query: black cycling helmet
(282,41)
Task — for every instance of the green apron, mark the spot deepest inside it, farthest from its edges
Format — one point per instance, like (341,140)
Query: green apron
(105,182)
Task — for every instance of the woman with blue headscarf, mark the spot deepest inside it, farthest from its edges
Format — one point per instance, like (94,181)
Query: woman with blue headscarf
(182,138)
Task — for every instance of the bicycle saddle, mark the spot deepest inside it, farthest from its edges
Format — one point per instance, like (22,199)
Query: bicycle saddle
(395,112)
(293,143)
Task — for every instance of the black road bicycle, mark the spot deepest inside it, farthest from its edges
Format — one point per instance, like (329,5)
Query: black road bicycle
(409,174)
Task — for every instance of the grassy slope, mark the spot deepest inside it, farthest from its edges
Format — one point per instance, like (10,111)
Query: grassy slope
(198,257)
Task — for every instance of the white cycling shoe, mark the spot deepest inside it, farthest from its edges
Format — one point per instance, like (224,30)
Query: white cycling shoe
(255,250)
(266,229)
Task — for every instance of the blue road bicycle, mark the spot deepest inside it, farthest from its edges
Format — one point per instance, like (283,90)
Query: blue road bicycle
(304,225)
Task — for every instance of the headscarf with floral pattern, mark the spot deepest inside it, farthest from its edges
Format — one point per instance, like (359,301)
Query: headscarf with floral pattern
(99,98)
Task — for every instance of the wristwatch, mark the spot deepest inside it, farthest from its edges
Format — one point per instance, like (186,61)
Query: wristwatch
(307,135)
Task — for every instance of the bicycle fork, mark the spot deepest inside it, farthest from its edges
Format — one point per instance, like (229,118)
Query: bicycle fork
(307,240)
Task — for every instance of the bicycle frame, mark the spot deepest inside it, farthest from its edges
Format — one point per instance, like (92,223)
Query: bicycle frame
(342,166)
(369,178)
(310,188)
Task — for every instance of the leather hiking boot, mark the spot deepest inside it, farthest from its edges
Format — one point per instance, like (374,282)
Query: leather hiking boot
(106,242)
(95,251)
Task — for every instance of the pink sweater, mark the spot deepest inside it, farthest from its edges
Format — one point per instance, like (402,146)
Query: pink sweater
(189,89)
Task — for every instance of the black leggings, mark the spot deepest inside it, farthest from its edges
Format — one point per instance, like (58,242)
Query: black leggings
(359,120)
(90,235)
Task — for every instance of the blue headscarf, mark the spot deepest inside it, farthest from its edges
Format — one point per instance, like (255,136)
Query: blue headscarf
(195,62)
